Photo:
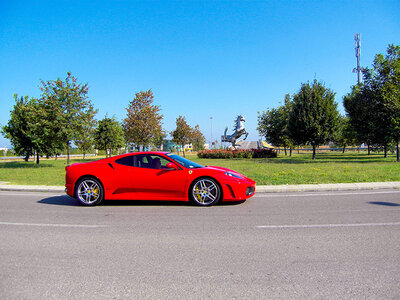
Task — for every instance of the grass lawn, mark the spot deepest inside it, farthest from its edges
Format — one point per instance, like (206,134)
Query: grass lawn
(330,167)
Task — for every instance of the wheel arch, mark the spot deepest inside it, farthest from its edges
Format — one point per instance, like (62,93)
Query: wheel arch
(205,176)
(87,176)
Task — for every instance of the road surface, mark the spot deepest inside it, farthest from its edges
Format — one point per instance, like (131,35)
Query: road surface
(332,245)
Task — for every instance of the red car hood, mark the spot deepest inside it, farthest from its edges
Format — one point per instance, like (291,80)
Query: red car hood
(225,170)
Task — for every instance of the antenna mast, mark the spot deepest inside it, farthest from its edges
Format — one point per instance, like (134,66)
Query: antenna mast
(357,38)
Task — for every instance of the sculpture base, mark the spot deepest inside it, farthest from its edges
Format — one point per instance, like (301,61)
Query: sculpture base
(244,145)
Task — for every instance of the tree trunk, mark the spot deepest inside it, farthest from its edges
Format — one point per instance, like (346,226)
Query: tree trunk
(369,150)
(385,151)
(183,150)
(84,154)
(344,148)
(285,150)
(68,149)
(313,152)
(290,151)
(37,158)
(397,152)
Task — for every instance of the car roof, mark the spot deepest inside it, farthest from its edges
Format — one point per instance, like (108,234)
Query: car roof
(163,153)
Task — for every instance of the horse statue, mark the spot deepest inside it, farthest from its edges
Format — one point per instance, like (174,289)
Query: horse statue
(238,132)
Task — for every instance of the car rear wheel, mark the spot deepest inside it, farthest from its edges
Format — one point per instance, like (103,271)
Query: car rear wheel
(89,191)
(205,192)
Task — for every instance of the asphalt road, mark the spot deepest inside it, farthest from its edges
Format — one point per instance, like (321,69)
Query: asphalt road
(334,245)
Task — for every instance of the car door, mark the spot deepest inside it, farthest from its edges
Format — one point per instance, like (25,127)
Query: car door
(122,178)
(152,180)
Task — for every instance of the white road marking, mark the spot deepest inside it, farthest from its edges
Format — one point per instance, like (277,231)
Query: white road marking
(38,194)
(53,225)
(331,193)
(327,225)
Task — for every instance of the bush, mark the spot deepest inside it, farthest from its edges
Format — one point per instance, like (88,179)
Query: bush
(253,153)
(264,153)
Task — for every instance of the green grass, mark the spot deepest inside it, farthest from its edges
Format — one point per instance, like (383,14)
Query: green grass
(330,167)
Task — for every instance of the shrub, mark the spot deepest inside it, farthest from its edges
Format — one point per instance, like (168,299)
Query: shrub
(253,153)
(264,153)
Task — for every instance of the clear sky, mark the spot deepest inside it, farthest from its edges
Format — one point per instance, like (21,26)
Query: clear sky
(202,59)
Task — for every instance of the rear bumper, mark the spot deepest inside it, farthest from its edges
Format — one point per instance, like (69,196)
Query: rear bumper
(69,189)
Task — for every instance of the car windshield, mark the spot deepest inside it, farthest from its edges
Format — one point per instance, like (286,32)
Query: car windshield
(183,161)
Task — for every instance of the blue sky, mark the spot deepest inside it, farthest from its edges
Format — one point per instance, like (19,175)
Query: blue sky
(200,58)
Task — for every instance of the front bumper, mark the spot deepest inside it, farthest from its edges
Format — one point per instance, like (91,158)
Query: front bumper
(239,190)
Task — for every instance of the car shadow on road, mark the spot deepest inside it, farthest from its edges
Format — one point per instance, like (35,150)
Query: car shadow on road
(60,200)
(69,201)
(384,203)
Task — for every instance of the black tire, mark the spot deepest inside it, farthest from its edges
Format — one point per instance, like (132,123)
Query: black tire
(205,191)
(89,191)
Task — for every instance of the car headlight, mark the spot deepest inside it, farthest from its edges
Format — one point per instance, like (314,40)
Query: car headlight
(230,174)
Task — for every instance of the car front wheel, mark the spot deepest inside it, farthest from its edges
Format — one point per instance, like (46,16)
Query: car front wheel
(205,192)
(89,191)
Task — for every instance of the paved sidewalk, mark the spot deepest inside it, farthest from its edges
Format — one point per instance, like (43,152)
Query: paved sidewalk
(259,189)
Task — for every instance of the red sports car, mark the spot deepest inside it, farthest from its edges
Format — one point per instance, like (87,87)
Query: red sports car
(154,176)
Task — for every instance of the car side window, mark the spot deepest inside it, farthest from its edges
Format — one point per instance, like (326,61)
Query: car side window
(158,162)
(150,161)
(142,161)
(126,161)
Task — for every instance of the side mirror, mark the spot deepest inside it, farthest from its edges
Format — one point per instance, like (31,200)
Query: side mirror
(172,166)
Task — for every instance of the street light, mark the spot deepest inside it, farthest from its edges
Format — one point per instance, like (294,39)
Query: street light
(211,118)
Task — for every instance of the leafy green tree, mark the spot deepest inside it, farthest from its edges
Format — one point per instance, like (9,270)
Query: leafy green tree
(45,130)
(18,129)
(361,108)
(314,115)
(182,134)
(273,125)
(374,106)
(108,135)
(197,138)
(158,140)
(143,123)
(383,82)
(345,135)
(27,132)
(85,138)
(66,108)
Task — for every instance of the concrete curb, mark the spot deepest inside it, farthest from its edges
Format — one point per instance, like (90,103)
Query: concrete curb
(261,189)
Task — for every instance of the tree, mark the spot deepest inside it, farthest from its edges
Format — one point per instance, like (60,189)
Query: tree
(345,134)
(143,122)
(27,131)
(383,81)
(313,117)
(18,129)
(108,135)
(374,106)
(273,125)
(66,108)
(182,134)
(158,140)
(85,138)
(197,138)
(45,130)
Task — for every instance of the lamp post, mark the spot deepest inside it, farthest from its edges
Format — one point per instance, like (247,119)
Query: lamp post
(211,118)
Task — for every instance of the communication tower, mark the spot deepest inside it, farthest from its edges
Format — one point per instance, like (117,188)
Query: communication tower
(357,38)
